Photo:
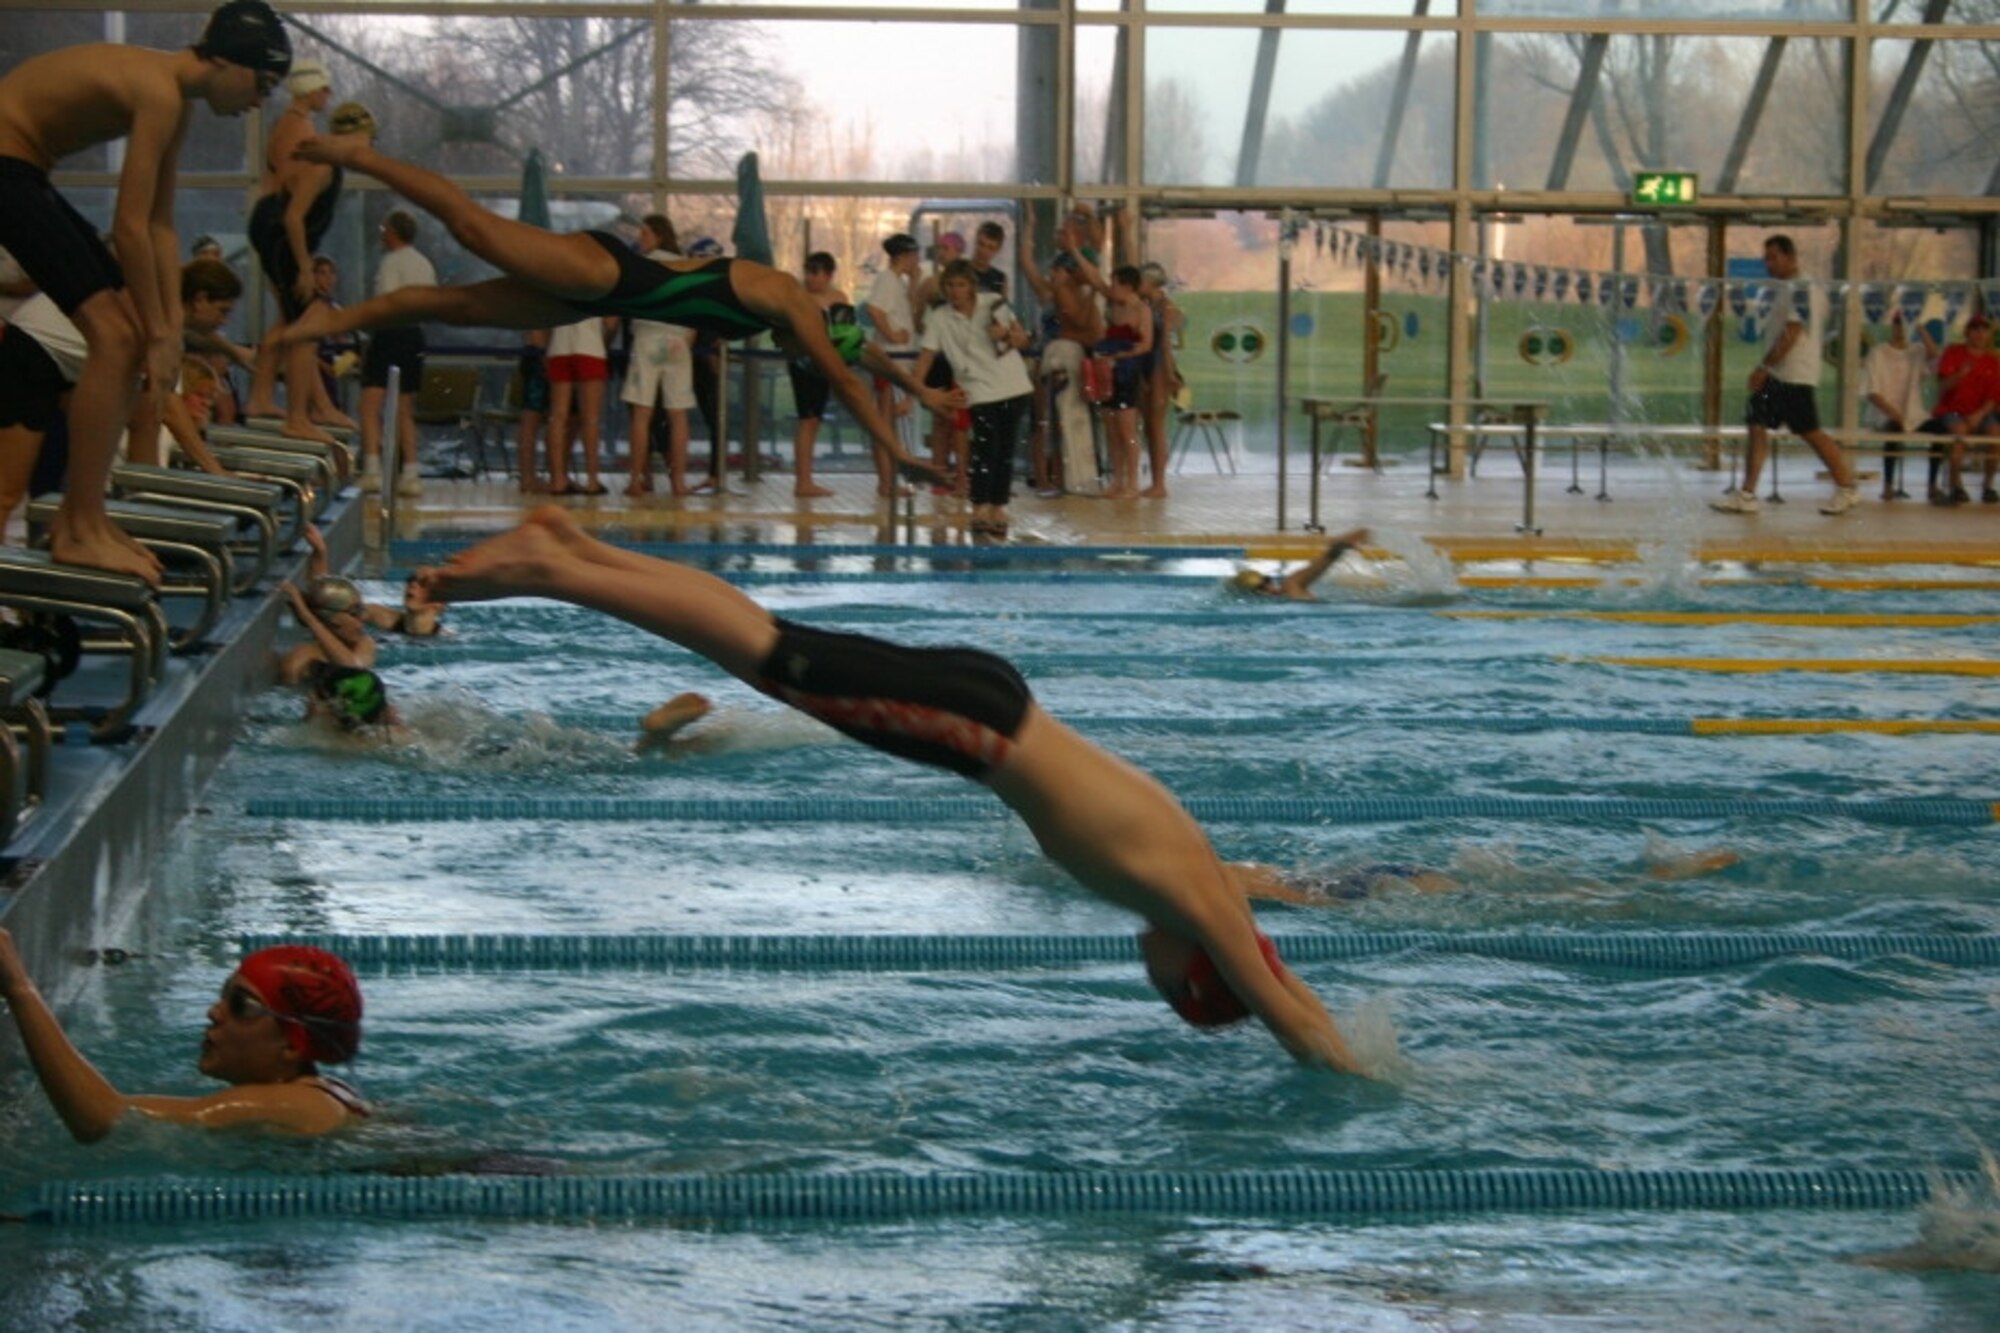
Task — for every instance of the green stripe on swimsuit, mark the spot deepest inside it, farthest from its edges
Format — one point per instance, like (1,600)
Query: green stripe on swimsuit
(703,299)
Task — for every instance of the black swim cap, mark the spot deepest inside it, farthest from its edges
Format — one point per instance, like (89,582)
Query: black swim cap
(247,33)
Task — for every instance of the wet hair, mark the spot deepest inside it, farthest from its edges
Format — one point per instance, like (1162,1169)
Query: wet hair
(400,225)
(662,229)
(211,278)
(821,261)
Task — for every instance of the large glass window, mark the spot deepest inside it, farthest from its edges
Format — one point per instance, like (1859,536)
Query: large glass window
(853,101)
(1782,11)
(470,96)
(1344,109)
(1583,112)
(1944,138)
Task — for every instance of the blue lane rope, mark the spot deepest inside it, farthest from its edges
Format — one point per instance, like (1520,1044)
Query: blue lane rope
(1911,812)
(1635,950)
(869,1196)
(1041,578)
(424,550)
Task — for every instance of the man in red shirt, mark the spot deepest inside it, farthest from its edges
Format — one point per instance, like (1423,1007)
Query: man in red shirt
(1968,392)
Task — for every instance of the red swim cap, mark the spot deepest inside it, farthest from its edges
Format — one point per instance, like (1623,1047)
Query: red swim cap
(314,994)
(1204,999)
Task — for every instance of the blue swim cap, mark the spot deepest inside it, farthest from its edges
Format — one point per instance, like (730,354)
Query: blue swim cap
(247,33)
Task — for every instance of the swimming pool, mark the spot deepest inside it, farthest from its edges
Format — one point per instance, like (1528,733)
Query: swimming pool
(611,1071)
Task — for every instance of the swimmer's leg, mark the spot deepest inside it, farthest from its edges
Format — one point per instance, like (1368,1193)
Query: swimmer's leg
(500,303)
(1693,864)
(549,556)
(661,725)
(572,266)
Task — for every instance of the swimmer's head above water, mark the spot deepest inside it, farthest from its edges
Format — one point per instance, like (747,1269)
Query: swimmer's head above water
(312,994)
(352,697)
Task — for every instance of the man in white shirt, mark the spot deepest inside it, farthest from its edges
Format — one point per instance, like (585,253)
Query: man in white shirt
(895,331)
(1783,386)
(402,265)
(1892,393)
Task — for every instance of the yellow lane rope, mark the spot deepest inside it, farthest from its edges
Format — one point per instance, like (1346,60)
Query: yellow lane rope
(1814,619)
(1898,665)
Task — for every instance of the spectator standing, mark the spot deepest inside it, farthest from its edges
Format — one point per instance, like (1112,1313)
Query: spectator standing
(890,311)
(811,389)
(1073,325)
(401,350)
(983,340)
(578,370)
(1163,376)
(948,429)
(661,368)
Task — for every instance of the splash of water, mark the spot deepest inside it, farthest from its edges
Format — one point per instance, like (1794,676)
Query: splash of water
(1957,1228)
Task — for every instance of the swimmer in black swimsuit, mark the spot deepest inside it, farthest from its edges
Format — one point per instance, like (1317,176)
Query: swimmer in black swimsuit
(1116,829)
(1297,585)
(283,1013)
(127,307)
(554,279)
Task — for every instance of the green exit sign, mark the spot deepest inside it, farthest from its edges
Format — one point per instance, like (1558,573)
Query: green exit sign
(1664,187)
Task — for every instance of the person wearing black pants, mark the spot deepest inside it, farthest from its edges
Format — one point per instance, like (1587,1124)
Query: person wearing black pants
(979,334)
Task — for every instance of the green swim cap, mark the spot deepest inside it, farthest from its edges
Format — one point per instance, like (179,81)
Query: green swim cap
(849,341)
(357,697)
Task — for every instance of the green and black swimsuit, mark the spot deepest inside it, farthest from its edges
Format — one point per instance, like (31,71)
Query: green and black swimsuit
(702,299)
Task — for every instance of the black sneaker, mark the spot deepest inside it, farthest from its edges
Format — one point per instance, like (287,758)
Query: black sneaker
(1959,497)
(1989,496)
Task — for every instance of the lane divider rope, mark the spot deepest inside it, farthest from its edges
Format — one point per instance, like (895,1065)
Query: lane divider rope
(1909,812)
(1635,950)
(873,1195)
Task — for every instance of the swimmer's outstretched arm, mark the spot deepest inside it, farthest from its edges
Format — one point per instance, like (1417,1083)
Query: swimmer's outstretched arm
(1298,584)
(91,1107)
(1130,841)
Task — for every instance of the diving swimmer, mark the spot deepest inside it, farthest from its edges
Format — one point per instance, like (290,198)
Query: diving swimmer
(1113,827)
(554,280)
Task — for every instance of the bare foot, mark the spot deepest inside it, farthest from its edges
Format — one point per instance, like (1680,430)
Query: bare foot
(659,726)
(1153,493)
(263,411)
(334,417)
(518,563)
(101,545)
(809,492)
(300,428)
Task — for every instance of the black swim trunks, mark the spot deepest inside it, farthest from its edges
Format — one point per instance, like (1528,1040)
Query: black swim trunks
(274,251)
(31,383)
(54,244)
(955,708)
(702,299)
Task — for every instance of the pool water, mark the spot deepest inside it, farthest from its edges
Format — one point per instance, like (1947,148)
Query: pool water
(1803,1062)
